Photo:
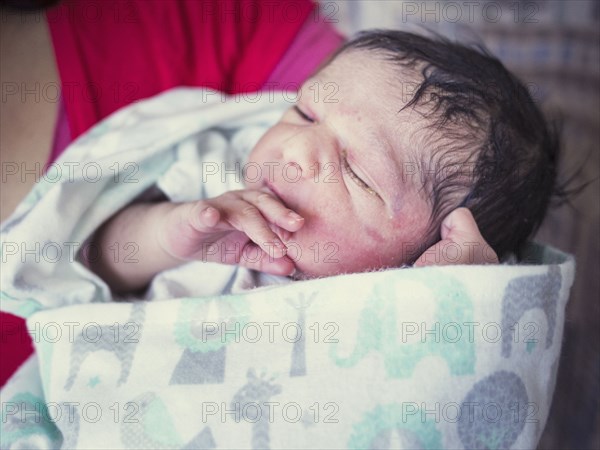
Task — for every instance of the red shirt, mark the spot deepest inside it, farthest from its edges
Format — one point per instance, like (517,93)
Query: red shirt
(114,52)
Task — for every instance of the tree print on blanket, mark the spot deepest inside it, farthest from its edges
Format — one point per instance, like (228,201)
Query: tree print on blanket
(379,327)
(249,402)
(525,293)
(392,427)
(204,328)
(152,426)
(301,304)
(494,412)
(26,423)
(120,339)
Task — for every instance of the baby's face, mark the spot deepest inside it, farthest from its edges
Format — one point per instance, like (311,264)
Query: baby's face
(338,158)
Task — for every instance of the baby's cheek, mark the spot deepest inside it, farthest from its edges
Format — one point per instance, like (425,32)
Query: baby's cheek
(312,247)
(322,252)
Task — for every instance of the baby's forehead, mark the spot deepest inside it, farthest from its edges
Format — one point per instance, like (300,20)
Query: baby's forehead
(376,69)
(370,93)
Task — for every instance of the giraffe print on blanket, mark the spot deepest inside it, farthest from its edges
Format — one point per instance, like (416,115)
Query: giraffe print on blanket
(249,404)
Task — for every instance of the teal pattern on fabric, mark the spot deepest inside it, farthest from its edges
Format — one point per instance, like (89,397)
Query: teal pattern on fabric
(26,415)
(197,331)
(24,307)
(376,429)
(203,329)
(378,328)
(153,426)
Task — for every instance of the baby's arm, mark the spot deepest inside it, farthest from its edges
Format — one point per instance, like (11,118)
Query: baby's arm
(220,230)
(461,243)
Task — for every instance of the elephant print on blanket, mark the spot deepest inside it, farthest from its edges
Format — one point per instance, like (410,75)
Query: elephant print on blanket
(395,426)
(380,324)
(525,293)
(494,412)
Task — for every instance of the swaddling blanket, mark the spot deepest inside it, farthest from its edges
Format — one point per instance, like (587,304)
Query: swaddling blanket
(437,357)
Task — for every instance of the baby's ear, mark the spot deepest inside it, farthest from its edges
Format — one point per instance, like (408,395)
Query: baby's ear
(462,243)
(460,223)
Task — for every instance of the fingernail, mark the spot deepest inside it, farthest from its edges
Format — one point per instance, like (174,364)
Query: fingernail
(296,217)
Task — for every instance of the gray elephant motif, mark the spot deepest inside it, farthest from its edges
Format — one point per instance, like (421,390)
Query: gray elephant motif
(525,293)
(494,412)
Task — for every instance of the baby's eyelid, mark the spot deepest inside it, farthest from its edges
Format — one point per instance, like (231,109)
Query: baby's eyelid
(303,114)
(354,176)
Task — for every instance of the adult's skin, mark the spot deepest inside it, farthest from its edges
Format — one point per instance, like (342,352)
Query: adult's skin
(28,110)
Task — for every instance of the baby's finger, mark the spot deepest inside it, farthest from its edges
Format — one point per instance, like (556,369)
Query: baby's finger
(263,262)
(204,217)
(274,210)
(247,218)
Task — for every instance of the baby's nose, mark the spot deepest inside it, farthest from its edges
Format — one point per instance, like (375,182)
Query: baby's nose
(307,158)
(300,162)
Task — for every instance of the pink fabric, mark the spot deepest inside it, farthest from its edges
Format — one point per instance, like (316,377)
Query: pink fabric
(132,50)
(316,40)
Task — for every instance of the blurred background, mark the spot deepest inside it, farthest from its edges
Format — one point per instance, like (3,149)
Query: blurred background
(552,45)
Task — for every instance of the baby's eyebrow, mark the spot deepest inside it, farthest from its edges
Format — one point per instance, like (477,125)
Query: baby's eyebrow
(393,184)
(378,150)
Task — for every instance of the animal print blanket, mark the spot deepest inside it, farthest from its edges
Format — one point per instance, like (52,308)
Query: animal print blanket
(432,358)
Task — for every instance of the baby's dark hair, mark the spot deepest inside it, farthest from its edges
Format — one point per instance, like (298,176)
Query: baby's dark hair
(492,150)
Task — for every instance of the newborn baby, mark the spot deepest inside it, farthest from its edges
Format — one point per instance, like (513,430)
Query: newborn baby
(368,176)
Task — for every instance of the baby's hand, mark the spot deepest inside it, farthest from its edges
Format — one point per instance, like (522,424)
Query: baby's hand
(238,227)
(461,243)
